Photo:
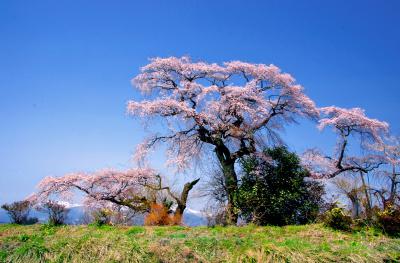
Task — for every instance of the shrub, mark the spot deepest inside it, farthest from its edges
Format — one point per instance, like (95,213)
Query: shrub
(102,217)
(105,214)
(275,190)
(389,221)
(56,212)
(19,212)
(30,221)
(175,219)
(215,215)
(337,218)
(159,216)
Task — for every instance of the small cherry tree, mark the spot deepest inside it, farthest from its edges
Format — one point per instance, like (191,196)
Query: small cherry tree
(111,190)
(230,109)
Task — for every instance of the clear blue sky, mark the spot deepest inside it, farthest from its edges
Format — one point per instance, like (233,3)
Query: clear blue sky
(65,69)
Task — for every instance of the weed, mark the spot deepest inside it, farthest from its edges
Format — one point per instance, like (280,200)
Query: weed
(178,235)
(136,230)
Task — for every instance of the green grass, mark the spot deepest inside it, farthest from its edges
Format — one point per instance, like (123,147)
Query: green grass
(309,243)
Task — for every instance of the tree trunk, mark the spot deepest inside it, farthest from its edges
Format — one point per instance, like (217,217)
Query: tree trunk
(393,190)
(368,207)
(184,196)
(230,178)
(231,183)
(355,202)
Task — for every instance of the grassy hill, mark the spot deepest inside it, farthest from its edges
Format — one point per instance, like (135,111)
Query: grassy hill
(310,243)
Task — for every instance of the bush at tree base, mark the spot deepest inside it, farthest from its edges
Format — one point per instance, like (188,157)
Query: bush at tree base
(159,216)
(337,218)
(274,190)
(389,221)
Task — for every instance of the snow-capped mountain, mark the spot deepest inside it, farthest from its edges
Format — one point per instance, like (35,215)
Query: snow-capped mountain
(191,217)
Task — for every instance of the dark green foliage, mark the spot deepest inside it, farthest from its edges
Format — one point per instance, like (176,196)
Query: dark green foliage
(337,218)
(135,230)
(47,229)
(276,191)
(3,255)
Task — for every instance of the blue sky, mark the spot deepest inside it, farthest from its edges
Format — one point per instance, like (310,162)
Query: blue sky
(65,70)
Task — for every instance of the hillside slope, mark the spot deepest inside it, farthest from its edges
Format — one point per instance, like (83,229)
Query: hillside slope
(310,243)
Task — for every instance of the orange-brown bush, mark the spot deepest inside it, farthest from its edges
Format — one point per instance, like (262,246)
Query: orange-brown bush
(159,216)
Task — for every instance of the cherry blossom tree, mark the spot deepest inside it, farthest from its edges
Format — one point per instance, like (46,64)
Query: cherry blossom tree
(232,109)
(346,123)
(121,188)
(135,189)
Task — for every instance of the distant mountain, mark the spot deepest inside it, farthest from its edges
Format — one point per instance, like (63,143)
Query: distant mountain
(193,218)
(190,217)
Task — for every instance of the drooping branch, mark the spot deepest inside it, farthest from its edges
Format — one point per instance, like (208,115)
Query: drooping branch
(122,188)
(195,97)
(346,122)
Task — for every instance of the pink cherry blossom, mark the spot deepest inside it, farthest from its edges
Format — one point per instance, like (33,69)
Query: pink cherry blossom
(204,105)
(123,188)
(354,121)
(346,123)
